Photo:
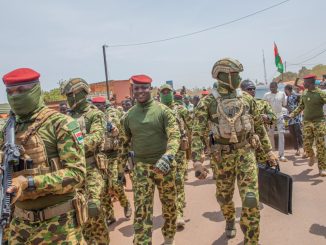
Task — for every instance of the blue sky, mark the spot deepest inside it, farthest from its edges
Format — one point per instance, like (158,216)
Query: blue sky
(63,39)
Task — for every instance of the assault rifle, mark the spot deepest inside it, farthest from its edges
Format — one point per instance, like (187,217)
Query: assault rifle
(11,158)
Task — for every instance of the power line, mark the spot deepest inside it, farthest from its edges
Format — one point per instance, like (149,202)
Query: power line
(304,64)
(200,31)
(313,57)
(313,49)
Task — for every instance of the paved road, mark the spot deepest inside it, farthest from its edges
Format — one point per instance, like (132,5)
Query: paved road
(205,223)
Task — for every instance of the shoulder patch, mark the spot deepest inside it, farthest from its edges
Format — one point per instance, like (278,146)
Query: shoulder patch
(73,126)
(78,135)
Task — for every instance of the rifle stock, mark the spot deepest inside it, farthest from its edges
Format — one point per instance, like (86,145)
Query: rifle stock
(11,158)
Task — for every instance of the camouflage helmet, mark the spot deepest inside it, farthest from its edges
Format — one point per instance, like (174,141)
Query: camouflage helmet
(75,85)
(166,86)
(226,65)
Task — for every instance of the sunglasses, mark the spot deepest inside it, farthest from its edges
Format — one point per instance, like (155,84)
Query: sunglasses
(251,89)
(19,89)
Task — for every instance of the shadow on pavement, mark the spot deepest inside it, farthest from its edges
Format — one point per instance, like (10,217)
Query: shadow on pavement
(128,231)
(218,216)
(117,223)
(300,162)
(199,182)
(318,230)
(304,177)
(221,241)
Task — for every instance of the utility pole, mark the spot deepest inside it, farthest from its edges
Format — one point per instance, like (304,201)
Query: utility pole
(106,71)
(265,74)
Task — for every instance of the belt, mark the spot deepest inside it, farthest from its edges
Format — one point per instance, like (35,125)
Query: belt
(44,214)
(231,147)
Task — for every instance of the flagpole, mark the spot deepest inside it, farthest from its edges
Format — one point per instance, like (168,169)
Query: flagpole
(265,74)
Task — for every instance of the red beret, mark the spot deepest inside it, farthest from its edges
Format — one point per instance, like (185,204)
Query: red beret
(99,99)
(310,76)
(21,75)
(177,95)
(205,92)
(141,79)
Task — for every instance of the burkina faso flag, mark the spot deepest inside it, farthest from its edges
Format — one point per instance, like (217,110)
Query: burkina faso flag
(278,60)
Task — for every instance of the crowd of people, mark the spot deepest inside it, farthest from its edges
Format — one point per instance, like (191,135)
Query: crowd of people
(73,162)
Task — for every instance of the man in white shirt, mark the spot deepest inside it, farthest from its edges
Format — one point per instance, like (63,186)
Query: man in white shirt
(277,100)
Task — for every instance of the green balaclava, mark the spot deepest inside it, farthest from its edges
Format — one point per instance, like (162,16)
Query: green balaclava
(167,99)
(25,103)
(77,99)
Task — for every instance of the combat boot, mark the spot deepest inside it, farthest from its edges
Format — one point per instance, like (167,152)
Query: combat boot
(169,241)
(322,173)
(127,211)
(180,222)
(110,221)
(312,160)
(230,230)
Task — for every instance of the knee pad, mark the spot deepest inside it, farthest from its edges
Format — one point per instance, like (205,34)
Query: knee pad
(250,200)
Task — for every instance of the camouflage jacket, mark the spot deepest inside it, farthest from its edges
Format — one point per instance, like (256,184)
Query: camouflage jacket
(60,135)
(151,130)
(204,112)
(311,103)
(263,107)
(113,116)
(181,113)
(92,124)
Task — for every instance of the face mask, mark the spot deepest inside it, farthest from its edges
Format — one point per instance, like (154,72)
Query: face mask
(25,103)
(167,99)
(76,99)
(232,80)
(235,80)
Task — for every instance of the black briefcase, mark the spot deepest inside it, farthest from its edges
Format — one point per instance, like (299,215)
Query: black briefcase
(275,188)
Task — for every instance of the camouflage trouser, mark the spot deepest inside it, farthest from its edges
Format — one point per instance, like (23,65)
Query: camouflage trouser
(144,182)
(181,161)
(239,165)
(61,229)
(95,229)
(116,187)
(315,131)
(261,157)
(107,204)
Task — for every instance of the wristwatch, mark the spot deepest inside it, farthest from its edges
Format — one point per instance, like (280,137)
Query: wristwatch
(31,183)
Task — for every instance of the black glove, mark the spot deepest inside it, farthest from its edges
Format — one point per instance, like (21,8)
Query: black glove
(122,179)
(109,127)
(163,164)
(286,117)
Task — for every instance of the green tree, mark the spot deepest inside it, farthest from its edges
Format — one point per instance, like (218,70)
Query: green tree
(53,95)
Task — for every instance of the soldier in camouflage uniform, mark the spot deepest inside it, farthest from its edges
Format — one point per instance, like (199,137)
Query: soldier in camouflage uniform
(47,208)
(183,120)
(92,124)
(154,134)
(314,127)
(233,119)
(110,149)
(265,111)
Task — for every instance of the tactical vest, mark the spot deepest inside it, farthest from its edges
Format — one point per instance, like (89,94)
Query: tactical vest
(34,160)
(233,120)
(111,139)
